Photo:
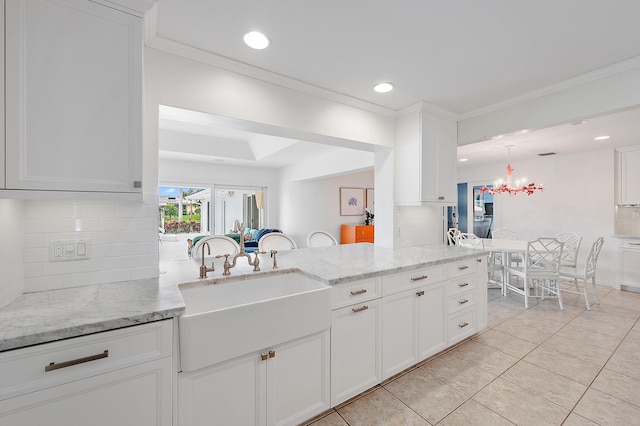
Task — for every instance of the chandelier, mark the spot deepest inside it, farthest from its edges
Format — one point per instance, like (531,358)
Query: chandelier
(520,185)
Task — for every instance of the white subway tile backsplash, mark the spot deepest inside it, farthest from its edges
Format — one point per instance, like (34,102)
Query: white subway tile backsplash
(123,242)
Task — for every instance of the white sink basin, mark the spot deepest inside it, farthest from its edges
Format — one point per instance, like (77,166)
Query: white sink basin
(223,321)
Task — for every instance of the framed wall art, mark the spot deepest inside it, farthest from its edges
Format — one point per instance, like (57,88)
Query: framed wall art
(352,201)
(370,199)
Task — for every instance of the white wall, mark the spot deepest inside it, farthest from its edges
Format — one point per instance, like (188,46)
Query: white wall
(11,249)
(314,205)
(578,197)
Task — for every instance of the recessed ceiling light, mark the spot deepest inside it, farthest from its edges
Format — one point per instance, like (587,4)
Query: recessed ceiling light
(601,138)
(462,160)
(383,87)
(256,40)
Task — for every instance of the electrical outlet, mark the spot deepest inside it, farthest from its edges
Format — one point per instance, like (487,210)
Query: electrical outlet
(67,250)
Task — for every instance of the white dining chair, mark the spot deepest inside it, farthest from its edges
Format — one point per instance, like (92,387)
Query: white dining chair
(276,241)
(452,233)
(571,247)
(219,245)
(321,239)
(540,271)
(579,281)
(468,240)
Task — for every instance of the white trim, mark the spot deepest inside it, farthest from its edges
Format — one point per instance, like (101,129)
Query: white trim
(228,64)
(587,77)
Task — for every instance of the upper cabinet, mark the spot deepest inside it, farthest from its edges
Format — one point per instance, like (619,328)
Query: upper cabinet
(629,175)
(73,97)
(425,158)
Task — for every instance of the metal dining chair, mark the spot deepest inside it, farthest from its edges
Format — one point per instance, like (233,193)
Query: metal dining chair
(580,280)
(540,270)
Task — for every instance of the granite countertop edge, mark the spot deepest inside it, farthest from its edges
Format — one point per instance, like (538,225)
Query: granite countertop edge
(47,316)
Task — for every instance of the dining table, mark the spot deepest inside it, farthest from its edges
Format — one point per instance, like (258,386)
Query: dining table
(508,249)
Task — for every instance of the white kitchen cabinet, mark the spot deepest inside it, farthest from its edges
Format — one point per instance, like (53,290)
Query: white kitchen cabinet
(425,159)
(282,385)
(2,126)
(628,276)
(73,97)
(356,349)
(464,293)
(116,377)
(629,176)
(413,327)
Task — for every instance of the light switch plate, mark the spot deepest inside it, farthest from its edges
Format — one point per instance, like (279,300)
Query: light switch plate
(68,250)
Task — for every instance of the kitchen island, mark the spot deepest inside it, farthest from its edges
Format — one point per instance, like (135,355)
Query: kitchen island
(120,339)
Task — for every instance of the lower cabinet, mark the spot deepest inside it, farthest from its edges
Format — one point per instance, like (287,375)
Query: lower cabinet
(282,385)
(356,349)
(413,327)
(119,377)
(139,395)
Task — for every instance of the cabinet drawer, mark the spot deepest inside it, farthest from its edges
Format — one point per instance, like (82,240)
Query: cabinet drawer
(23,370)
(364,234)
(461,301)
(356,292)
(412,279)
(461,325)
(461,284)
(462,267)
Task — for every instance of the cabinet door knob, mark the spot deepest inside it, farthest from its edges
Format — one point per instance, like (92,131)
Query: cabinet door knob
(272,354)
(420,293)
(263,356)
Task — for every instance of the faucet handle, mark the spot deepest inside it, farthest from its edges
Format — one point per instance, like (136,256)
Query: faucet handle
(275,261)
(226,265)
(256,261)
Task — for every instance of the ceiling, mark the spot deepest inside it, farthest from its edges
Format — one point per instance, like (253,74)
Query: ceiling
(460,55)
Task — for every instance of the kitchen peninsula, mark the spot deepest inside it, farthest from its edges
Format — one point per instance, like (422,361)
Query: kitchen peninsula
(376,279)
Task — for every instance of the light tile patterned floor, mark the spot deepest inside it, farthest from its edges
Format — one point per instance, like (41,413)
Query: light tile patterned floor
(536,366)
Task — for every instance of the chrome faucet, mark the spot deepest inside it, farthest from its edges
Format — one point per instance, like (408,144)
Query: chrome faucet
(203,268)
(229,265)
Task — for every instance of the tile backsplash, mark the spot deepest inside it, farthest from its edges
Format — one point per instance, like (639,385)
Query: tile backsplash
(123,235)
(414,226)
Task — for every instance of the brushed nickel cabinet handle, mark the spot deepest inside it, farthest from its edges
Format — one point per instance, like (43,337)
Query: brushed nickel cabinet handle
(634,244)
(423,277)
(363,308)
(463,325)
(463,301)
(53,366)
(462,268)
(463,284)
(272,354)
(263,356)
(355,293)
(420,293)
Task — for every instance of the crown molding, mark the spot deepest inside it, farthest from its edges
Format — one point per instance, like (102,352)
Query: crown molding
(133,7)
(189,52)
(587,77)
(432,109)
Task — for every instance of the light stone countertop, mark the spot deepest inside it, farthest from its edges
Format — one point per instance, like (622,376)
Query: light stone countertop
(41,317)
